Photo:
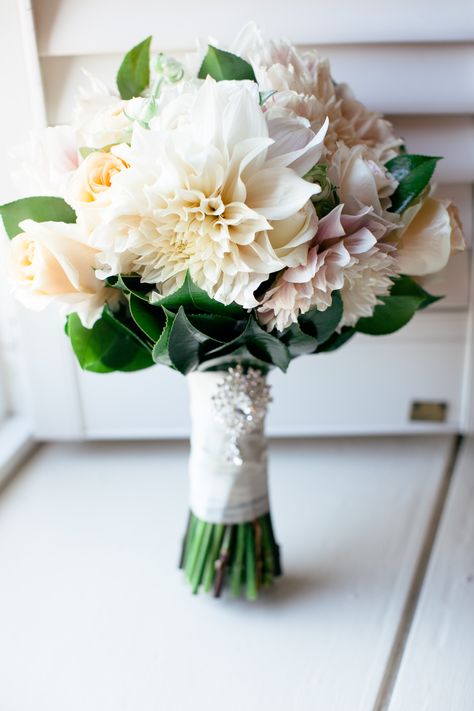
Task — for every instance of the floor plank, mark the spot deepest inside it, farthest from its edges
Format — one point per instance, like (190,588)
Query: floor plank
(436,673)
(93,614)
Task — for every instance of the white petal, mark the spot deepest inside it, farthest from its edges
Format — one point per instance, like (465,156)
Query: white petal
(277,193)
(243,116)
(425,245)
(296,145)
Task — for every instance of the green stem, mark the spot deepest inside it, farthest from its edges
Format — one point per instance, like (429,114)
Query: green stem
(251,592)
(237,565)
(210,570)
(194,548)
(238,555)
(198,569)
(187,539)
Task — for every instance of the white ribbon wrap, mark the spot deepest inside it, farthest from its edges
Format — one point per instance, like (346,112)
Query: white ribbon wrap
(221,491)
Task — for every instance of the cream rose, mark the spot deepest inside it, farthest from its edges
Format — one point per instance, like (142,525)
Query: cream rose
(361,182)
(94,176)
(52,261)
(432,231)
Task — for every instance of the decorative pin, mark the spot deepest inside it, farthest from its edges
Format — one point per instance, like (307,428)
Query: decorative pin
(240,404)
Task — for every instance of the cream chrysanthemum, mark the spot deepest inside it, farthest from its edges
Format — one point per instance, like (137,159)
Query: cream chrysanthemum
(213,188)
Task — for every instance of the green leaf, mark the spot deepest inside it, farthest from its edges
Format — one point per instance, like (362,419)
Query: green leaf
(217,327)
(405,286)
(337,340)
(150,319)
(322,324)
(298,342)
(193,299)
(39,209)
(184,343)
(265,95)
(160,351)
(108,346)
(133,75)
(390,316)
(222,65)
(130,284)
(260,344)
(240,356)
(405,298)
(413,174)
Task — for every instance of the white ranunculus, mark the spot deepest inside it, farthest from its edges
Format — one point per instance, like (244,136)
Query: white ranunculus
(432,231)
(52,261)
(100,118)
(212,192)
(47,162)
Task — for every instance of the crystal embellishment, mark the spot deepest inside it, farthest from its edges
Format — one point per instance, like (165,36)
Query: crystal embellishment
(240,404)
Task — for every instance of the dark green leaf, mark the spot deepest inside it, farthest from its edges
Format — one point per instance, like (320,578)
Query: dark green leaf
(160,350)
(413,174)
(195,300)
(337,340)
(108,346)
(298,342)
(40,209)
(322,324)
(405,286)
(133,75)
(219,328)
(150,319)
(222,65)
(130,284)
(260,344)
(240,356)
(405,298)
(388,317)
(184,343)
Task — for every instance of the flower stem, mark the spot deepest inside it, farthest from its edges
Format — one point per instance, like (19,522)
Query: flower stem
(216,556)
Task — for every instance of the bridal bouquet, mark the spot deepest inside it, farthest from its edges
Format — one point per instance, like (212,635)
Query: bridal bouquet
(222,216)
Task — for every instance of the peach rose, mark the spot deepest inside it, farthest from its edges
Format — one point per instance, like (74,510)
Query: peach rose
(94,176)
(52,261)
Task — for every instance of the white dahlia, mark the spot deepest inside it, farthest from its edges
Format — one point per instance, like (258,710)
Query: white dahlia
(213,188)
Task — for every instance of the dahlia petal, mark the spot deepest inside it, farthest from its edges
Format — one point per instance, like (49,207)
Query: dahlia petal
(278,193)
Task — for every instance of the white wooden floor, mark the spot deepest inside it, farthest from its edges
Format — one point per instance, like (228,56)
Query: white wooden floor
(375,612)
